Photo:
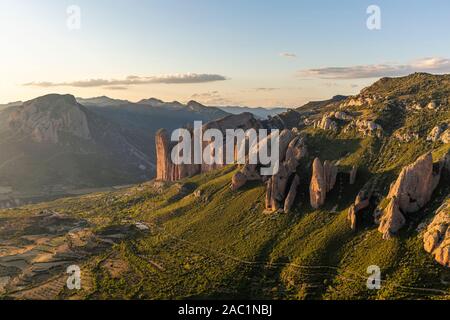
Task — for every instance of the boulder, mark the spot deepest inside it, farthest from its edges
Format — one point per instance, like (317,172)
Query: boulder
(238,181)
(392,219)
(436,239)
(432,105)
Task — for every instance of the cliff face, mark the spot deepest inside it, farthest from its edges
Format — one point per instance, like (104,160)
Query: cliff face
(322,181)
(46,118)
(168,171)
(411,191)
(436,239)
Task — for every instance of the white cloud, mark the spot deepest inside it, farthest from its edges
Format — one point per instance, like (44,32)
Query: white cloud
(288,55)
(213,98)
(432,65)
(135,80)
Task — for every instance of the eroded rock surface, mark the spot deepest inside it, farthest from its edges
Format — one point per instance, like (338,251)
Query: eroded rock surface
(362,201)
(168,171)
(436,239)
(46,118)
(411,191)
(322,181)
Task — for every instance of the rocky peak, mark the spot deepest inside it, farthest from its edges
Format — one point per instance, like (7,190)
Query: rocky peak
(45,118)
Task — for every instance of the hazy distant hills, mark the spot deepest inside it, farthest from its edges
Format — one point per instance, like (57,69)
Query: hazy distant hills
(259,112)
(52,144)
(55,143)
(58,143)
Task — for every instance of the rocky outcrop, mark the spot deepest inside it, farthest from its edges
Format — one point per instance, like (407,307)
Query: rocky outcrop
(369,128)
(322,181)
(445,136)
(46,118)
(327,123)
(342,115)
(406,136)
(164,166)
(440,133)
(277,186)
(432,105)
(415,184)
(411,191)
(281,188)
(436,239)
(362,201)
(392,219)
(168,171)
(292,194)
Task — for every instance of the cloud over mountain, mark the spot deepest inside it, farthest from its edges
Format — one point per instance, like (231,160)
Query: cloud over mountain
(432,65)
(135,80)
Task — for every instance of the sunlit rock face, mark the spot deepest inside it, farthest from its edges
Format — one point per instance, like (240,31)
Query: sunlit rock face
(411,192)
(322,181)
(436,239)
(168,171)
(47,119)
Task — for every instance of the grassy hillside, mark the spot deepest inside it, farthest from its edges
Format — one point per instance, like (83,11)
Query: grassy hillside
(206,241)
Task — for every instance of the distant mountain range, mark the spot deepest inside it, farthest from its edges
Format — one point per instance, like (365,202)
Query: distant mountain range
(259,112)
(56,144)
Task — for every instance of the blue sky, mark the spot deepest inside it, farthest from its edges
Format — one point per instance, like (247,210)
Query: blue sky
(270,53)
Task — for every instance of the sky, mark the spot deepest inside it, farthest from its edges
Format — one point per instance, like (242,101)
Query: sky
(219,52)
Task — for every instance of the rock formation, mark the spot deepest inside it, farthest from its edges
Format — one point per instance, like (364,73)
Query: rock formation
(436,239)
(392,219)
(168,171)
(281,188)
(362,201)
(369,128)
(292,194)
(445,136)
(47,117)
(327,123)
(436,132)
(322,181)
(277,185)
(409,193)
